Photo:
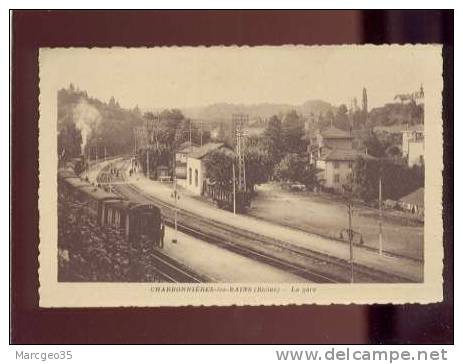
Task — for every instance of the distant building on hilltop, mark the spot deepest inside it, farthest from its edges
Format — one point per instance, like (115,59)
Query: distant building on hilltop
(413,145)
(416,97)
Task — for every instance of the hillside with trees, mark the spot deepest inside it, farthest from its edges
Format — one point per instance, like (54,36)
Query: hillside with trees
(88,126)
(223,111)
(396,113)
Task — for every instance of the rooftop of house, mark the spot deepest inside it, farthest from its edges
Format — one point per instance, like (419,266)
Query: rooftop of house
(186,147)
(348,155)
(414,198)
(413,128)
(335,133)
(201,152)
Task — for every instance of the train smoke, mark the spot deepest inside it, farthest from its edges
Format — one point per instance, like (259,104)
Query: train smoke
(87,118)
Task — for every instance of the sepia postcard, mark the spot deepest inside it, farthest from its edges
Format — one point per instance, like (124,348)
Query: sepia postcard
(270,175)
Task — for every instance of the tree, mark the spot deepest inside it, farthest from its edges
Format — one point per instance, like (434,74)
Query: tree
(366,177)
(296,168)
(290,168)
(258,163)
(112,102)
(341,119)
(273,139)
(374,146)
(397,180)
(183,133)
(293,133)
(358,119)
(219,168)
(329,118)
(169,122)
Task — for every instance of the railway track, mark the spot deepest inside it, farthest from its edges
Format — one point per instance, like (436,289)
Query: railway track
(308,264)
(199,231)
(323,268)
(165,267)
(172,271)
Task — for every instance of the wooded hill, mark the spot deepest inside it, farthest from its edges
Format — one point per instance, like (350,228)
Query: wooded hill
(86,124)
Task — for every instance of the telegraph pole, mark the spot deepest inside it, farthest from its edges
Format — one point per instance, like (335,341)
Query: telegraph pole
(239,122)
(380,201)
(135,143)
(234,189)
(148,136)
(350,231)
(190,132)
(147,163)
(201,134)
(174,240)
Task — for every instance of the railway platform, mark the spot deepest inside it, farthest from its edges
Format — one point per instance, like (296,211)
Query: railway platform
(396,265)
(197,254)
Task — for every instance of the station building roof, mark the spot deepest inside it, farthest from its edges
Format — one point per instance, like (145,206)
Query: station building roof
(201,152)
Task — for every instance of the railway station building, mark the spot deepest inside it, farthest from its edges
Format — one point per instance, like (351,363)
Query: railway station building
(181,157)
(196,170)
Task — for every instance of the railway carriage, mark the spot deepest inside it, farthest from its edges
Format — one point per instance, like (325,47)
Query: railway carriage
(137,221)
(94,198)
(144,223)
(69,185)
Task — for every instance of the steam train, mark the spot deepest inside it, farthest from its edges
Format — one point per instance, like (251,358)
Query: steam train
(139,223)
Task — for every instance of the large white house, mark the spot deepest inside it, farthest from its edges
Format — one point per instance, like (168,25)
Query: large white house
(336,167)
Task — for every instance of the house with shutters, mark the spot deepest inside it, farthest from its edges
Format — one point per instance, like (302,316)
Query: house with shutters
(333,154)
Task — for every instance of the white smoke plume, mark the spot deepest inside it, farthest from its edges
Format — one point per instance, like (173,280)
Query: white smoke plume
(87,118)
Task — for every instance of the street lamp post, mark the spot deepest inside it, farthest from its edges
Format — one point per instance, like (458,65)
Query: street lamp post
(351,246)
(174,240)
(347,188)
(234,189)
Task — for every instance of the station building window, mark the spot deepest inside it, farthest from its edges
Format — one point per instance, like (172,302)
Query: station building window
(196,178)
(336,178)
(190,175)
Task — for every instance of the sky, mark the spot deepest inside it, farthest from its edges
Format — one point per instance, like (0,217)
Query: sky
(168,77)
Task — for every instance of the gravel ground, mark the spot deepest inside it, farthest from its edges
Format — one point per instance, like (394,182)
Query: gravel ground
(327,217)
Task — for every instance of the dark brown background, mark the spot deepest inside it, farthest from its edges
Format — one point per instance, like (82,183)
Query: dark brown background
(293,324)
